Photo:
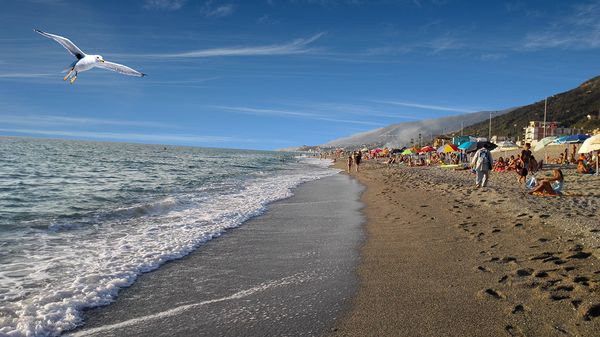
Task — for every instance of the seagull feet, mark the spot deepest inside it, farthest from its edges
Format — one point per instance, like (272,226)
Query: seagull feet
(73,79)
(69,74)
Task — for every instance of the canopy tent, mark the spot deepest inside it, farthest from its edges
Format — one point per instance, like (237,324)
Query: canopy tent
(542,143)
(447,148)
(572,139)
(592,144)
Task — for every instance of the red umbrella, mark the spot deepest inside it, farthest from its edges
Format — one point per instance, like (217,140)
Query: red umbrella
(427,149)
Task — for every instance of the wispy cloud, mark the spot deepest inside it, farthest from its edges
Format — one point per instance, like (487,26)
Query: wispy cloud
(298,46)
(125,136)
(579,29)
(45,120)
(170,5)
(445,43)
(429,106)
(211,10)
(24,75)
(290,113)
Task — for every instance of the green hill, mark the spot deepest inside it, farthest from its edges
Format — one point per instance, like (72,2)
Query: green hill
(569,108)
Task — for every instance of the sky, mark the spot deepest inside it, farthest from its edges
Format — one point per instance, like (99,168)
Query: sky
(271,74)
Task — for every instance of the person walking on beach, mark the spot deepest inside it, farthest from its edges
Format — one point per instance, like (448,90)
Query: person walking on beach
(357,158)
(482,164)
(350,160)
(526,155)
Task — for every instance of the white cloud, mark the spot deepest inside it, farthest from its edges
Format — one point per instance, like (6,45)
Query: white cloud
(428,106)
(210,10)
(24,75)
(298,46)
(290,113)
(579,29)
(40,120)
(164,4)
(141,137)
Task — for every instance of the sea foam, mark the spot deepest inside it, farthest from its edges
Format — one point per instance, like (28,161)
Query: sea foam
(67,270)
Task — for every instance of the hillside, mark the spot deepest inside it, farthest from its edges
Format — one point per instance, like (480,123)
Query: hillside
(397,135)
(570,108)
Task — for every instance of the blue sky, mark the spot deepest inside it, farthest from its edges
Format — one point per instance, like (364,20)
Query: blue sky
(278,73)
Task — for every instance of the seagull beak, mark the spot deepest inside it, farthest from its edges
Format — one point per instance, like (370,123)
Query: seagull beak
(102,61)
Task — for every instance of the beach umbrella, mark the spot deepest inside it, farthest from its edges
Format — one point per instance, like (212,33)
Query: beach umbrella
(572,139)
(468,146)
(397,151)
(507,144)
(488,145)
(365,150)
(408,152)
(426,149)
(448,148)
(592,144)
(542,143)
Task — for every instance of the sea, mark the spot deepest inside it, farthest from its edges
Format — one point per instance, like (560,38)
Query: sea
(79,220)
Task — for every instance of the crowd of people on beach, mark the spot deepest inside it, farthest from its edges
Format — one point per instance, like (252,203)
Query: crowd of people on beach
(524,164)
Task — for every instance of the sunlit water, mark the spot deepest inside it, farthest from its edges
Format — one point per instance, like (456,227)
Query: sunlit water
(80,220)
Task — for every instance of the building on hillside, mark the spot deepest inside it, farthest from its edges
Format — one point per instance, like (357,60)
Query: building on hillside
(535,131)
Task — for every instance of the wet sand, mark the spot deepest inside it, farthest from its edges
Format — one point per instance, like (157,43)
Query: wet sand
(445,259)
(289,272)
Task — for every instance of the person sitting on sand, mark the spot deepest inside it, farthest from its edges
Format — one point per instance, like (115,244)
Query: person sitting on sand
(533,164)
(499,165)
(512,164)
(582,165)
(544,186)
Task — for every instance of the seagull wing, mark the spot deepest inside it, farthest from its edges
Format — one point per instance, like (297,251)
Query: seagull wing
(70,46)
(125,70)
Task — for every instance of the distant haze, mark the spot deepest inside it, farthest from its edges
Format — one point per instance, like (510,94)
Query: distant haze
(397,135)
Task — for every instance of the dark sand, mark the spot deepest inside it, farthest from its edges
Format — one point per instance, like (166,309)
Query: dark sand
(444,259)
(289,272)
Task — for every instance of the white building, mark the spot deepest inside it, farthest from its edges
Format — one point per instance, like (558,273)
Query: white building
(535,131)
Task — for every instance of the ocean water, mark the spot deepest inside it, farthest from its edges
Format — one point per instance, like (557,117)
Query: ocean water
(80,220)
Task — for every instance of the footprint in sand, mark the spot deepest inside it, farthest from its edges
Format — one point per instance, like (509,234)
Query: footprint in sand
(489,292)
(592,312)
(519,308)
(524,272)
(580,255)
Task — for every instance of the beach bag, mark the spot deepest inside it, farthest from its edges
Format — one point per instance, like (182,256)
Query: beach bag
(483,161)
(531,183)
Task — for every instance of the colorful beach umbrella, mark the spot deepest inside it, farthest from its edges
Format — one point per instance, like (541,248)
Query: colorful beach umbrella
(542,143)
(426,149)
(408,152)
(448,148)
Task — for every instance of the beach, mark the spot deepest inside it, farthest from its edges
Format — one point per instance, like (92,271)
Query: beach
(289,272)
(443,258)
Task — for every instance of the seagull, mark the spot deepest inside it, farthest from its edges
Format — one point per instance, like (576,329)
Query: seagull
(86,62)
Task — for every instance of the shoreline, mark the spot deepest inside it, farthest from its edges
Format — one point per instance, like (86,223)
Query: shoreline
(288,272)
(444,259)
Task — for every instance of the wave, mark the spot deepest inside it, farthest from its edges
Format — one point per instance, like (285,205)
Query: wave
(75,270)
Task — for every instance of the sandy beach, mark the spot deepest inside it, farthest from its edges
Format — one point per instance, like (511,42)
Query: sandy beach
(288,272)
(443,258)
